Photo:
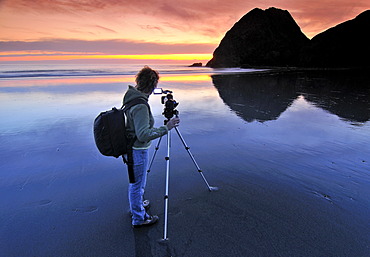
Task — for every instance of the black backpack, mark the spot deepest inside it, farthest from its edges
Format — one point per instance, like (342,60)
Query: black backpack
(110,133)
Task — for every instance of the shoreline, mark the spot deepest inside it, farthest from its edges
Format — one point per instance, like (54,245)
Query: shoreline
(283,70)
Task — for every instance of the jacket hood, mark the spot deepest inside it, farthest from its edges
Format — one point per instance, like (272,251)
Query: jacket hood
(132,93)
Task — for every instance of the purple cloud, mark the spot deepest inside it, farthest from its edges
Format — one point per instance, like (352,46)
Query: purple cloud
(105,47)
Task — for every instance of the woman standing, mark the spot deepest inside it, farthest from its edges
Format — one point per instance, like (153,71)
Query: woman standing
(140,124)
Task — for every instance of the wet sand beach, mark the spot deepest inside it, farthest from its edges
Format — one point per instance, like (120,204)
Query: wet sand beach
(289,152)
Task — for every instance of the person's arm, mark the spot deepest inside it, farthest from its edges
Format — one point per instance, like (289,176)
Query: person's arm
(143,132)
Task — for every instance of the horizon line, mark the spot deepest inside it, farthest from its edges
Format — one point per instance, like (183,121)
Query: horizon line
(67,57)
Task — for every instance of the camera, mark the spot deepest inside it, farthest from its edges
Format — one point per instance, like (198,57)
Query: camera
(169,103)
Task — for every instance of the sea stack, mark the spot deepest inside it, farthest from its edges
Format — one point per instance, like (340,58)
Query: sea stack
(268,37)
(346,45)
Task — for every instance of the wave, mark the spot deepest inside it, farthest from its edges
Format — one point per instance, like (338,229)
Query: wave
(12,72)
(57,73)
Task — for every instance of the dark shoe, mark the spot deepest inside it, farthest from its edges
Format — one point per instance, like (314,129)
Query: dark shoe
(148,222)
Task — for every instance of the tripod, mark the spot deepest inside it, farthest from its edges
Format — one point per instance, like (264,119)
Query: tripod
(167,158)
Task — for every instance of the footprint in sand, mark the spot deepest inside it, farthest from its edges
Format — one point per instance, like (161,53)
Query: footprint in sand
(325,196)
(85,209)
(40,203)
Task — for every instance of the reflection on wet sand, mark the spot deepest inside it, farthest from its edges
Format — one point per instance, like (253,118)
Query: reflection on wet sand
(252,97)
(264,97)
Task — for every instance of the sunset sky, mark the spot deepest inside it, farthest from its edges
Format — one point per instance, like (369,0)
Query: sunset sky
(120,29)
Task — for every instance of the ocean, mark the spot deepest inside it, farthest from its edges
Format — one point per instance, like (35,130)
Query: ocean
(289,152)
(88,70)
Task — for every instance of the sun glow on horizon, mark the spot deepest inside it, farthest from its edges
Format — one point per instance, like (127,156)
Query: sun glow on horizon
(192,78)
(25,56)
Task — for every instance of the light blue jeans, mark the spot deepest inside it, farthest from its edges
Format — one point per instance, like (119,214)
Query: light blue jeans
(136,190)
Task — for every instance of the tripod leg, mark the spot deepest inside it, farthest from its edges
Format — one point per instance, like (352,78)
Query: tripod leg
(167,185)
(210,188)
(154,154)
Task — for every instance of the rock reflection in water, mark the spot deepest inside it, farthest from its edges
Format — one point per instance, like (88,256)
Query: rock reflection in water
(264,97)
(255,97)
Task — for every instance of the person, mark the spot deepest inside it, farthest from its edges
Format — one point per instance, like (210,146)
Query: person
(140,124)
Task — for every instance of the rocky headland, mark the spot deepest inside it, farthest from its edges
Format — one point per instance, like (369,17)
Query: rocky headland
(272,38)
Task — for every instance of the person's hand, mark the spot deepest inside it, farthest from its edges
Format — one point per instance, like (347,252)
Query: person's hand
(174,122)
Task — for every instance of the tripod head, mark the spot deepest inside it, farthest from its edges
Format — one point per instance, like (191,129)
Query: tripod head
(170,104)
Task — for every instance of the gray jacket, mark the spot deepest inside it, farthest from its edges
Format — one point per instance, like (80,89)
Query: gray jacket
(140,120)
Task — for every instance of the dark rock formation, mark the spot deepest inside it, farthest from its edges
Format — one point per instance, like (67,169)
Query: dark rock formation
(345,45)
(196,64)
(272,38)
(260,38)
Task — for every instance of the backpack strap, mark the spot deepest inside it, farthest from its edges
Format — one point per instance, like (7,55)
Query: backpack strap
(125,107)
(130,160)
(130,165)
(133,102)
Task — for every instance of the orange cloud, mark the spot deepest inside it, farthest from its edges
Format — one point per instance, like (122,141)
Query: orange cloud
(104,47)
(161,21)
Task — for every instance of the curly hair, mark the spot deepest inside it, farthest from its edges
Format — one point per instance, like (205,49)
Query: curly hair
(147,80)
